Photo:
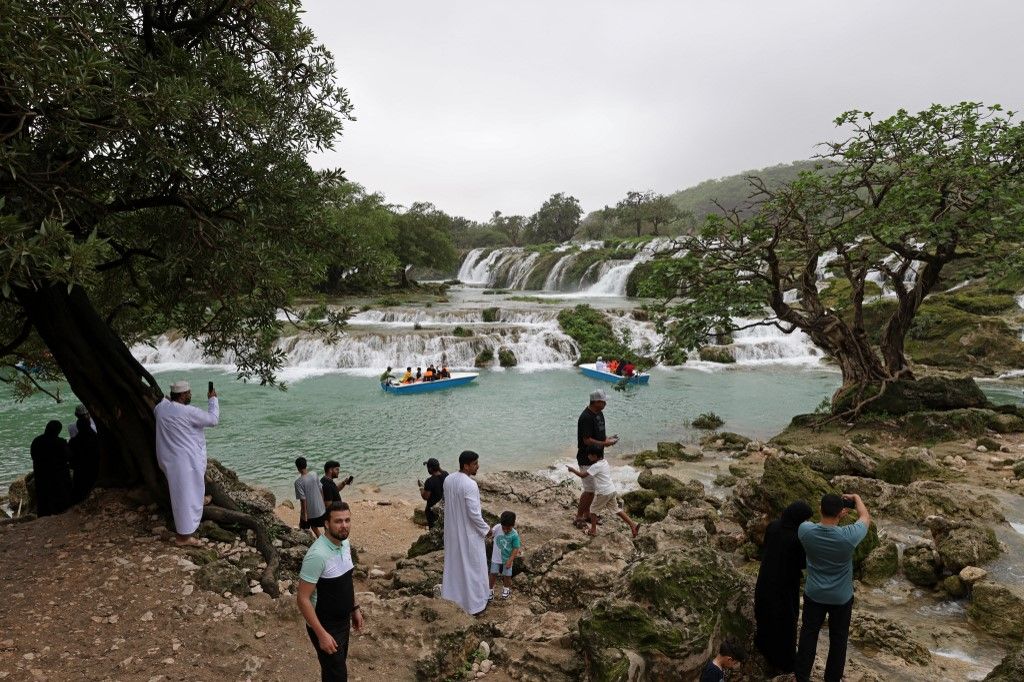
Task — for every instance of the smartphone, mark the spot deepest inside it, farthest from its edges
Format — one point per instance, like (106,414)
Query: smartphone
(849,504)
(209,387)
(348,480)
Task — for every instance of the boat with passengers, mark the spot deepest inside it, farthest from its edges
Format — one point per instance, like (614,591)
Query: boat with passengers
(456,379)
(590,369)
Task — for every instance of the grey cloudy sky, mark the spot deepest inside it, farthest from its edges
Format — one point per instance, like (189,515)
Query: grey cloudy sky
(477,105)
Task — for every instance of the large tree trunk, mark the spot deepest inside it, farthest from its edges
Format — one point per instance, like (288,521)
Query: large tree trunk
(117,390)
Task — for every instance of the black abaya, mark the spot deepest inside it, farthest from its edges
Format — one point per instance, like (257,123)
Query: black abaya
(85,460)
(52,476)
(777,595)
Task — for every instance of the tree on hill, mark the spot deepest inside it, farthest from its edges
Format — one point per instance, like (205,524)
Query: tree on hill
(733,193)
(424,237)
(557,219)
(634,208)
(903,198)
(512,226)
(360,248)
(154,177)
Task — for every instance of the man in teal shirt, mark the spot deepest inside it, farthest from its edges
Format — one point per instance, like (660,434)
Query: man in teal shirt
(828,591)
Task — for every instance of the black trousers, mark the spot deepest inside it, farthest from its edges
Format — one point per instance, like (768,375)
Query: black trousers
(431,517)
(333,667)
(838,633)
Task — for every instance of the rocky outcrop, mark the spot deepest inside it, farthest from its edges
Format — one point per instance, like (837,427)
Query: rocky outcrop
(665,622)
(962,544)
(883,635)
(221,576)
(998,609)
(921,499)
(666,486)
(574,574)
(1010,669)
(926,393)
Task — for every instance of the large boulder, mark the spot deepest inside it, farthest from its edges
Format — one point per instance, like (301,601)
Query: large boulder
(670,486)
(882,563)
(904,470)
(875,633)
(921,499)
(901,397)
(962,544)
(636,501)
(575,573)
(679,451)
(222,576)
(998,609)
(668,618)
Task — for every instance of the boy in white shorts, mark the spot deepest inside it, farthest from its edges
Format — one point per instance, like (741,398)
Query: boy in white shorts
(605,499)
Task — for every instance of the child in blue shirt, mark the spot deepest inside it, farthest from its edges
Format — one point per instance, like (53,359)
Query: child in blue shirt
(507,547)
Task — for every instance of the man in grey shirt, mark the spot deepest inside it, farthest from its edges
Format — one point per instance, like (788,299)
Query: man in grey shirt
(311,499)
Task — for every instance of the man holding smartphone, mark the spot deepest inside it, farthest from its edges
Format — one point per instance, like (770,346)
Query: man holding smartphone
(590,437)
(332,490)
(828,591)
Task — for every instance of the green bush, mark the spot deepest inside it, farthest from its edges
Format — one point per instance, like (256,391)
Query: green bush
(708,421)
(592,332)
(462,332)
(484,357)
(388,301)
(506,358)
(491,314)
(541,269)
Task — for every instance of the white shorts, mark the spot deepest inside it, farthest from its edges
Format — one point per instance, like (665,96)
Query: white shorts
(588,481)
(605,503)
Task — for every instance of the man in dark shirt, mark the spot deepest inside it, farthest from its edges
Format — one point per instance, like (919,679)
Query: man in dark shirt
(332,491)
(590,437)
(50,468)
(433,490)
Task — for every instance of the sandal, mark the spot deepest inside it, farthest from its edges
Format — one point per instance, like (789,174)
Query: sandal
(506,593)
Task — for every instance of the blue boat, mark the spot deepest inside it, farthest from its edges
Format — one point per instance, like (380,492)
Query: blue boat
(457,379)
(591,371)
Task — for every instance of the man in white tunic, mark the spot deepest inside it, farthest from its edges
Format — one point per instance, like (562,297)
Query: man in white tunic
(181,453)
(465,554)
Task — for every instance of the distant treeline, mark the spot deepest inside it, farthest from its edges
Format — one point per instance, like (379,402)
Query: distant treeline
(376,240)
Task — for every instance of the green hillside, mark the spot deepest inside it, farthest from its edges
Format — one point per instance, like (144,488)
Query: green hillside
(734,191)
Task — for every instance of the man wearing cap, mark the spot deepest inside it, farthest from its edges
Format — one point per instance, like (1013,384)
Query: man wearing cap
(590,437)
(181,454)
(433,490)
(464,580)
(80,412)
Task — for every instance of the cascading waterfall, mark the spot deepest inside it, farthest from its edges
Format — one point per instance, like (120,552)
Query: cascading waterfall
(553,282)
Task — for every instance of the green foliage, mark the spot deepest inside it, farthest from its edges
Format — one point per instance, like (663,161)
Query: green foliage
(707,420)
(153,162)
(484,358)
(423,236)
(490,314)
(506,358)
(462,332)
(592,332)
(556,221)
(927,189)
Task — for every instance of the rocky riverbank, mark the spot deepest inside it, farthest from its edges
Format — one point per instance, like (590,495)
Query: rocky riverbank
(97,594)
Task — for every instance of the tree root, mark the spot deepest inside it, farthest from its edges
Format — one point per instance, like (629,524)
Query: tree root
(222,515)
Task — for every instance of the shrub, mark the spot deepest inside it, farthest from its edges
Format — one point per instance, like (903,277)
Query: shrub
(708,421)
(506,358)
(484,357)
(462,331)
(491,314)
(388,301)
(592,332)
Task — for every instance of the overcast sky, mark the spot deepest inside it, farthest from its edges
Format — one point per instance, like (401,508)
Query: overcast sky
(477,105)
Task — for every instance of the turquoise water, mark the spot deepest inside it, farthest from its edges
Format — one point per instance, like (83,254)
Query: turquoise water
(514,419)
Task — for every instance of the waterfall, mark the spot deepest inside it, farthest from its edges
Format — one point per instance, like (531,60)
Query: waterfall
(613,281)
(521,271)
(466,273)
(770,345)
(553,282)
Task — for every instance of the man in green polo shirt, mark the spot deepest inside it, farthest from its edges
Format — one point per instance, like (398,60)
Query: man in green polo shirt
(326,595)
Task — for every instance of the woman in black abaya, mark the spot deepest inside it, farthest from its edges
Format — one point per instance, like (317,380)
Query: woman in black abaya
(777,595)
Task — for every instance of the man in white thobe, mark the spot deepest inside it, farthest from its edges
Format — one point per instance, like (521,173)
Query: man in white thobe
(181,454)
(465,554)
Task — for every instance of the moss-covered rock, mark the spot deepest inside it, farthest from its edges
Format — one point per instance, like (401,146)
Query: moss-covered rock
(669,486)
(998,609)
(636,501)
(656,510)
(881,634)
(506,358)
(901,397)
(933,427)
(919,566)
(679,451)
(1010,669)
(720,354)
(484,358)
(904,470)
(990,444)
(881,564)
(490,314)
(222,576)
(967,545)
(1018,469)
(786,480)
(728,439)
(954,586)
(431,541)
(707,421)
(725,480)
(211,531)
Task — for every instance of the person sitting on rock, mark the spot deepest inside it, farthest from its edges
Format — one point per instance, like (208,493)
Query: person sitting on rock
(730,657)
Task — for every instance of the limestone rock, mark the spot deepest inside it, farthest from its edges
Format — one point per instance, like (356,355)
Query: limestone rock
(882,634)
(1010,669)
(656,510)
(954,586)
(881,564)
(670,486)
(578,573)
(636,501)
(221,576)
(919,566)
(972,574)
(858,461)
(965,545)
(679,451)
(921,499)
(998,609)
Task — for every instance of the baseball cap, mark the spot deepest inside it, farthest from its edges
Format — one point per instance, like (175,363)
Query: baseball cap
(432,464)
(598,395)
